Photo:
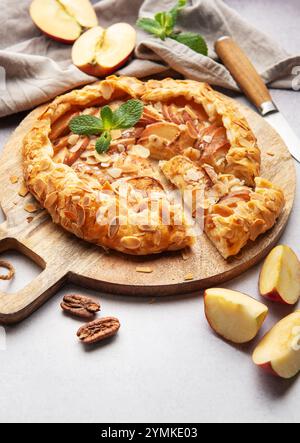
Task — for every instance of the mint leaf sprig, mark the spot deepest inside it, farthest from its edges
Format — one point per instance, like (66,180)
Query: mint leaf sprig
(125,117)
(163,26)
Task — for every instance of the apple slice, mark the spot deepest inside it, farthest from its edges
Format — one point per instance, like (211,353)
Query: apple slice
(82,11)
(280,276)
(63,20)
(101,52)
(233,315)
(279,351)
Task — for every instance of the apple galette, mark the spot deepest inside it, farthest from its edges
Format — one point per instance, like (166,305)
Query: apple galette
(187,138)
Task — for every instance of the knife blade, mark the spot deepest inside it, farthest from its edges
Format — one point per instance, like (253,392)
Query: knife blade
(282,127)
(251,83)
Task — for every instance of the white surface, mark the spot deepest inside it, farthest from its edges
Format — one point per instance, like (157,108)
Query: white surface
(165,365)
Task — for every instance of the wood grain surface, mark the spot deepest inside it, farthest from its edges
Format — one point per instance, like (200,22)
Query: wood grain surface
(64,258)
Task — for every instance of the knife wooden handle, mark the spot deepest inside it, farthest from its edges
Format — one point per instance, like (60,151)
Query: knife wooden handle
(245,74)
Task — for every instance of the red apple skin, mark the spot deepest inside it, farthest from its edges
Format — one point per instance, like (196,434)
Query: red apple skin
(274,296)
(267,367)
(99,71)
(57,39)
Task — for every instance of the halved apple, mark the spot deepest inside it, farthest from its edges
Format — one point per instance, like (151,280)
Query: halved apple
(279,351)
(100,52)
(280,276)
(63,20)
(233,315)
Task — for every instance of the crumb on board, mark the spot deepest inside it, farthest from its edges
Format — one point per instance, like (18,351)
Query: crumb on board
(31,207)
(189,277)
(23,191)
(271,154)
(14,179)
(144,269)
(30,219)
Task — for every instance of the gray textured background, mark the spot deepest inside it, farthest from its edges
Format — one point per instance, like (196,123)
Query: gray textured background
(166,365)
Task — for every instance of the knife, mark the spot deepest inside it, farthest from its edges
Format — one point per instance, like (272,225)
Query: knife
(246,76)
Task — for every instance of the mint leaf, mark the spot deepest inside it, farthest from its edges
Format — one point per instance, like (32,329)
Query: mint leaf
(86,125)
(162,26)
(150,25)
(103,143)
(194,41)
(128,114)
(125,117)
(107,117)
(166,21)
(160,18)
(181,4)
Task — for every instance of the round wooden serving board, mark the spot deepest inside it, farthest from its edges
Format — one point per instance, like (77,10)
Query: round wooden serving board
(65,258)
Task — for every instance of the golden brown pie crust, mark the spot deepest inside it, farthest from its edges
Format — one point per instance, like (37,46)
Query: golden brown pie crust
(183,120)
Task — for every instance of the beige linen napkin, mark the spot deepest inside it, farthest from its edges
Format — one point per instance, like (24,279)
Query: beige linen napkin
(34,69)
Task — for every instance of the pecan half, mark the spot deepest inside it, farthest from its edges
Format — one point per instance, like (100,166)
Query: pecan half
(98,330)
(80,306)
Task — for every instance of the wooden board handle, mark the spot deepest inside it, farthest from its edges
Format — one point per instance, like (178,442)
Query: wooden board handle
(245,74)
(16,307)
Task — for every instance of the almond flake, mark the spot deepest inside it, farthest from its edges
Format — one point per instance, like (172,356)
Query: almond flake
(140,151)
(130,169)
(189,277)
(107,90)
(73,139)
(116,134)
(131,242)
(76,147)
(31,208)
(102,158)
(14,179)
(23,191)
(115,172)
(91,161)
(144,270)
